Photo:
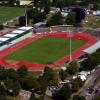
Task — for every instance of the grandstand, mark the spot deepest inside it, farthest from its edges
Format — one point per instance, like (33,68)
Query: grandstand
(14,37)
(92,48)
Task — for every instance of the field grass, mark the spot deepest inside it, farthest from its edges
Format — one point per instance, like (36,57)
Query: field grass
(7,13)
(44,50)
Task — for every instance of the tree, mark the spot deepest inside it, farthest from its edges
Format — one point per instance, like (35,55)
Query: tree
(22,20)
(18,3)
(82,98)
(70,2)
(79,14)
(47,9)
(84,3)
(96,98)
(46,79)
(11,2)
(38,16)
(44,3)
(70,19)
(63,74)
(22,71)
(43,83)
(60,3)
(56,19)
(96,6)
(13,87)
(65,91)
(63,3)
(77,97)
(56,96)
(36,2)
(3,73)
(63,94)
(55,81)
(1,27)
(76,84)
(41,3)
(30,13)
(48,73)
(73,67)
(79,80)
(3,93)
(88,64)
(23,82)
(95,57)
(16,88)
(31,83)
(12,74)
(32,97)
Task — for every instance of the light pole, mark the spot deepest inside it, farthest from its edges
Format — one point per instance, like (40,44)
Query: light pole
(70,42)
(70,45)
(26,15)
(26,12)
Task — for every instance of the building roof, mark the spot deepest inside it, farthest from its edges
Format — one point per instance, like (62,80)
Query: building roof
(25,28)
(39,24)
(93,48)
(18,31)
(3,39)
(13,34)
(10,35)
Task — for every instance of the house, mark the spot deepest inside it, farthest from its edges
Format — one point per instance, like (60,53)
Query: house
(83,75)
(25,94)
(25,2)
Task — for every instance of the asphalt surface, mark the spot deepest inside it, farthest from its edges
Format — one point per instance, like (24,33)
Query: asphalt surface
(89,82)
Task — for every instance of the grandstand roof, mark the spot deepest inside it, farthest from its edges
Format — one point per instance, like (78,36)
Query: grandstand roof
(3,39)
(18,31)
(10,35)
(21,30)
(93,48)
(25,28)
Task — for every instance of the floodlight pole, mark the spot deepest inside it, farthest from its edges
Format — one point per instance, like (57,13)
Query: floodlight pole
(26,14)
(70,45)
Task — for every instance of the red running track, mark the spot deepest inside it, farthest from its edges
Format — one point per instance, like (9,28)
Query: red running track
(38,67)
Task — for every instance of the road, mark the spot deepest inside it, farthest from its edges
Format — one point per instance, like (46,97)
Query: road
(89,82)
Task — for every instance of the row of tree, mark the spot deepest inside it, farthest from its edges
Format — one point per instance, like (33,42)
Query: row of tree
(74,17)
(57,3)
(92,61)
(63,3)
(13,80)
(65,92)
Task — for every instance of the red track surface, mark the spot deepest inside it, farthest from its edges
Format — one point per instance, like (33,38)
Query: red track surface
(37,67)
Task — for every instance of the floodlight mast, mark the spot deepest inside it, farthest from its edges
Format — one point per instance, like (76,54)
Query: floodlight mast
(70,41)
(70,44)
(26,14)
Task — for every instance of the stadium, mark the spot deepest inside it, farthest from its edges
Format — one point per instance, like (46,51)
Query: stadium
(35,51)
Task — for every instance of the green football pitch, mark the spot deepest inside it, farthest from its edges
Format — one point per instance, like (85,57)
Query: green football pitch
(7,13)
(45,50)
